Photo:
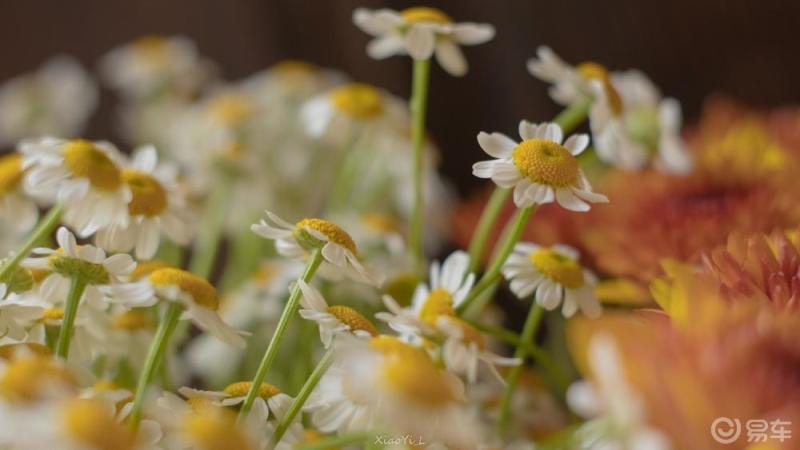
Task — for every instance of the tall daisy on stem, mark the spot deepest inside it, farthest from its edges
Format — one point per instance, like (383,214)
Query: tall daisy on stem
(420,32)
(324,246)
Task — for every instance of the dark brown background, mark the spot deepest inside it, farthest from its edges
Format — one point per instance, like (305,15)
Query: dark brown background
(691,48)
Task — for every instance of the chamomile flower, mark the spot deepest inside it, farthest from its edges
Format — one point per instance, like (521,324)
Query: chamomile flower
(420,32)
(296,240)
(105,276)
(571,83)
(540,168)
(554,275)
(15,316)
(392,385)
(199,299)
(157,206)
(235,394)
(57,100)
(334,319)
(16,207)
(82,176)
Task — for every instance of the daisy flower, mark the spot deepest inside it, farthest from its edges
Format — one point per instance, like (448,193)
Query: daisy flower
(421,32)
(335,319)
(157,206)
(57,100)
(540,168)
(199,299)
(554,275)
(81,175)
(105,276)
(16,208)
(571,83)
(235,394)
(296,240)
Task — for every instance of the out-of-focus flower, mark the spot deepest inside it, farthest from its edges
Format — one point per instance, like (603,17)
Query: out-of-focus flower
(552,275)
(83,176)
(540,168)
(157,206)
(420,32)
(55,100)
(335,319)
(15,315)
(16,207)
(296,240)
(235,394)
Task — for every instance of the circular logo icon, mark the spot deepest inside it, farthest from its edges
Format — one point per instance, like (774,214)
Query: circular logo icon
(725,430)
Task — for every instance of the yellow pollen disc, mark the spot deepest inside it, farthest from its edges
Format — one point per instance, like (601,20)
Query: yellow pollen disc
(265,273)
(145,268)
(290,68)
(199,288)
(29,378)
(558,267)
(149,198)
(151,49)
(89,422)
(417,380)
(438,303)
(545,162)
(10,173)
(11,351)
(215,429)
(469,333)
(421,14)
(71,267)
(83,159)
(200,404)
(55,313)
(241,389)
(381,222)
(353,319)
(133,320)
(390,345)
(357,100)
(593,71)
(231,109)
(333,232)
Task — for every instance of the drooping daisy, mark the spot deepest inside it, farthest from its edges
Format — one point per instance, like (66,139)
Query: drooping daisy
(157,206)
(81,175)
(16,208)
(335,319)
(235,394)
(56,100)
(199,299)
(421,32)
(540,168)
(105,277)
(296,240)
(554,275)
(571,83)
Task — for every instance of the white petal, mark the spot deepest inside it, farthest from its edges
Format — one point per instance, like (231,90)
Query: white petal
(386,46)
(450,57)
(468,33)
(577,143)
(497,145)
(570,201)
(420,42)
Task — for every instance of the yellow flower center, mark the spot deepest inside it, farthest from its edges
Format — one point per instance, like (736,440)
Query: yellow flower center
(10,173)
(215,429)
(11,351)
(333,232)
(52,314)
(30,378)
(89,422)
(231,109)
(438,303)
(151,49)
(241,389)
(593,71)
(558,267)
(545,162)
(75,267)
(418,380)
(383,223)
(200,404)
(202,292)
(352,318)
(133,320)
(422,14)
(149,198)
(390,345)
(145,268)
(84,160)
(357,100)
(292,68)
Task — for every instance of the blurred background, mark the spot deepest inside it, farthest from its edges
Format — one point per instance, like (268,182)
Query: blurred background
(691,49)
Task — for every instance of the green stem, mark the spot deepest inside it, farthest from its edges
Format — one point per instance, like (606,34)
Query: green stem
(574,114)
(485,225)
(76,288)
(272,349)
(302,396)
(419,98)
(45,226)
(338,441)
(208,239)
(154,358)
(492,275)
(535,314)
